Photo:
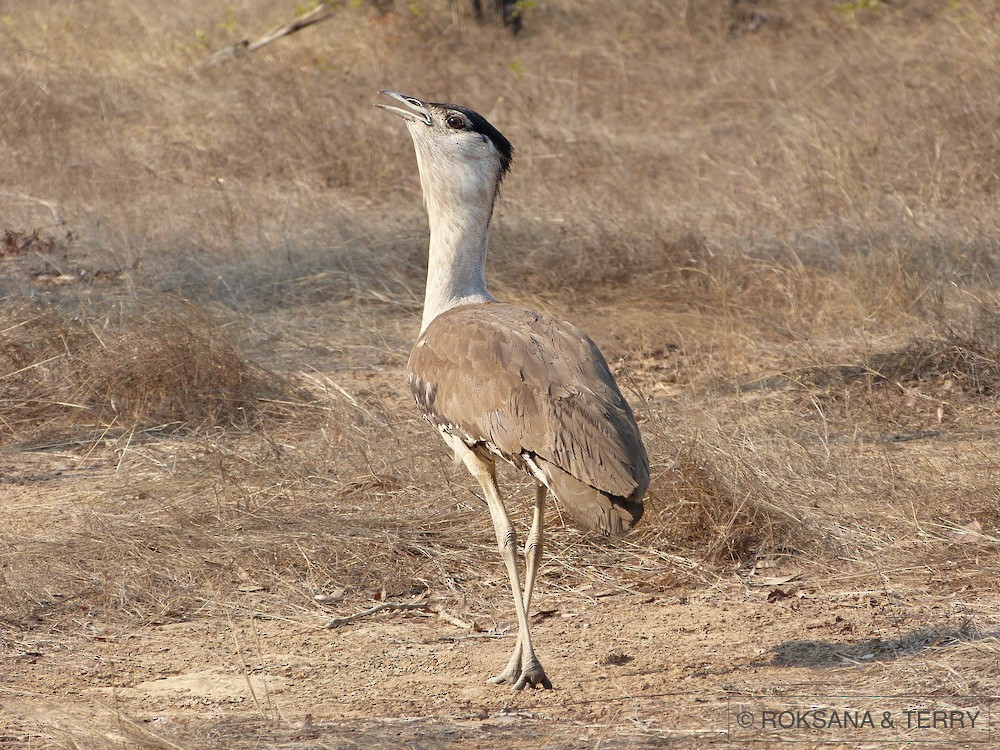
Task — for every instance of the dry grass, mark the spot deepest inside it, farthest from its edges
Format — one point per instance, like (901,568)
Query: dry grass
(159,364)
(785,239)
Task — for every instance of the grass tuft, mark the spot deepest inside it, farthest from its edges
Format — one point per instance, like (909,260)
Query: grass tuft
(161,363)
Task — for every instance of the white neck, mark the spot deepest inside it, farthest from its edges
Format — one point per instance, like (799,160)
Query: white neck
(459,212)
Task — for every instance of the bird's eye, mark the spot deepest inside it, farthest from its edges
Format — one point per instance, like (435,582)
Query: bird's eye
(456,122)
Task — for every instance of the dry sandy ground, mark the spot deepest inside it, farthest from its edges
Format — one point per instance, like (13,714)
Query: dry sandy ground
(633,665)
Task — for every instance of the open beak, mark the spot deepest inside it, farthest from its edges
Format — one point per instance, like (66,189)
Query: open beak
(413,109)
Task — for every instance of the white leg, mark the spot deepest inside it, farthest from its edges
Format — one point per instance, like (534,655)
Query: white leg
(533,559)
(528,670)
(535,544)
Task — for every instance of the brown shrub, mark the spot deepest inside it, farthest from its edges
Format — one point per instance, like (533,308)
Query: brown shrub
(159,363)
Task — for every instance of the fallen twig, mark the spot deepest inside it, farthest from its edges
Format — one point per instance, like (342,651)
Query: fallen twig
(441,612)
(320,13)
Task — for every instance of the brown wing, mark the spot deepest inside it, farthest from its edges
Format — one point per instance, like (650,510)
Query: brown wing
(524,384)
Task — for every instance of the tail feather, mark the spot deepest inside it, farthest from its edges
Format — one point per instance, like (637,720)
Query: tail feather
(589,508)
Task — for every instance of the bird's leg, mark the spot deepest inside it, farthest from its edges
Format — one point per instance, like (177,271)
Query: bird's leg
(533,560)
(527,669)
(523,669)
(534,546)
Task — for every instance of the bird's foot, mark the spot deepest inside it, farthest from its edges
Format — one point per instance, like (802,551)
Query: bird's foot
(521,676)
(533,676)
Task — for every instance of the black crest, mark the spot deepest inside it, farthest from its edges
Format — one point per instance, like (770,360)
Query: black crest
(482,126)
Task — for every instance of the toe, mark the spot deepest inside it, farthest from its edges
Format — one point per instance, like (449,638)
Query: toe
(533,676)
(504,678)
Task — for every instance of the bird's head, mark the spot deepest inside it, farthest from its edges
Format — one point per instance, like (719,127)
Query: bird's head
(459,153)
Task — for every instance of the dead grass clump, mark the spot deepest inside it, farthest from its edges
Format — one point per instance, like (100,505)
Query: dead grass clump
(719,508)
(973,368)
(159,364)
(966,355)
(974,349)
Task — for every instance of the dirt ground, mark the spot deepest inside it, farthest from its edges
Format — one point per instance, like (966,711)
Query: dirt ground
(778,220)
(630,670)
(642,660)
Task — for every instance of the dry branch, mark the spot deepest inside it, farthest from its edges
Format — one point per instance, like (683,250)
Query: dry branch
(318,14)
(441,612)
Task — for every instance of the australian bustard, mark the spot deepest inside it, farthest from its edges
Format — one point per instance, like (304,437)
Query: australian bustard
(501,381)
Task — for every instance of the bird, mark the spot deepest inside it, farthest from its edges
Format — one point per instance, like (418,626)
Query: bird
(499,381)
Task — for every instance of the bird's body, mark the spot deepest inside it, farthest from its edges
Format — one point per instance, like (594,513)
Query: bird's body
(501,381)
(536,392)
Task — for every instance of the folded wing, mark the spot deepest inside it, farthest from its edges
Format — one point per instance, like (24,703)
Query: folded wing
(538,392)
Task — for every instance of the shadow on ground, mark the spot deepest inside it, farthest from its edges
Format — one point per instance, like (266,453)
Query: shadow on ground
(835,654)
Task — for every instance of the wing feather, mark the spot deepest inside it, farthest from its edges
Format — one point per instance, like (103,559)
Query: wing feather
(524,383)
